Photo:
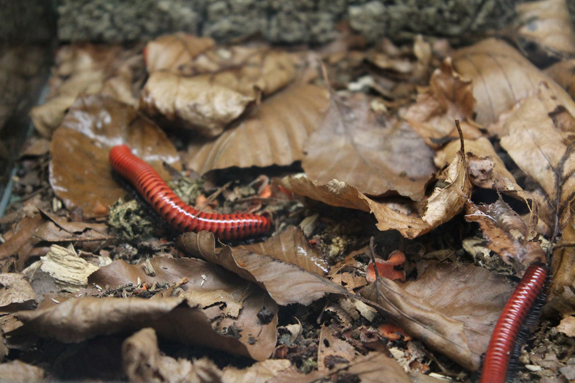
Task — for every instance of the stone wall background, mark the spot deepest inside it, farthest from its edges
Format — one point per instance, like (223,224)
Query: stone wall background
(279,21)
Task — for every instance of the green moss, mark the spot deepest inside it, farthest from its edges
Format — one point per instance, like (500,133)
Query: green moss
(130,220)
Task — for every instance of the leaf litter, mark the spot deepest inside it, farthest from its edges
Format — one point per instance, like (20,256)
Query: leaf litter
(384,141)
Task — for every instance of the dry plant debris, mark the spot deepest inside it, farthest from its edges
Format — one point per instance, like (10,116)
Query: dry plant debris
(454,163)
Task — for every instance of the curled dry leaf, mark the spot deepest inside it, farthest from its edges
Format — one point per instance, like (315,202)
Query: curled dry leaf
(76,320)
(547,25)
(274,134)
(542,150)
(285,283)
(506,233)
(486,169)
(80,173)
(501,77)
(58,229)
(143,362)
(88,69)
(409,218)
(15,293)
(449,98)
(240,304)
(451,308)
(193,103)
(172,52)
(369,152)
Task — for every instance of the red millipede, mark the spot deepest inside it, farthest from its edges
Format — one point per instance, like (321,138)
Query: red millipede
(169,206)
(510,322)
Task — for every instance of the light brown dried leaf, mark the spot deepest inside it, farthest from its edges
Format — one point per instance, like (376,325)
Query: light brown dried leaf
(274,134)
(285,283)
(193,103)
(172,52)
(449,98)
(540,149)
(502,77)
(451,308)
(367,151)
(548,25)
(486,169)
(88,69)
(80,173)
(292,247)
(506,233)
(332,350)
(260,372)
(562,265)
(563,73)
(15,293)
(143,362)
(58,229)
(567,326)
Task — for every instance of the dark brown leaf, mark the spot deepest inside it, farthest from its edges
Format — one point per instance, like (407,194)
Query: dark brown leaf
(285,283)
(274,134)
(80,173)
(21,240)
(375,154)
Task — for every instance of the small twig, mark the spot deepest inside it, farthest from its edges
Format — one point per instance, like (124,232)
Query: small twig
(372,255)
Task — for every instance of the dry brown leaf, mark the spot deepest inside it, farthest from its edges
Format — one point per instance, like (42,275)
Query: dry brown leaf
(58,229)
(193,103)
(76,320)
(563,73)
(18,371)
(567,326)
(506,233)
(451,308)
(20,242)
(449,98)
(486,169)
(143,362)
(15,293)
(539,147)
(370,368)
(502,77)
(260,372)
(332,350)
(372,153)
(80,173)
(88,69)
(546,24)
(562,263)
(410,219)
(285,283)
(171,52)
(274,134)
(292,247)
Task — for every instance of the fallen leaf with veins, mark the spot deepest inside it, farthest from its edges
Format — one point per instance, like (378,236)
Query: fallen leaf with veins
(172,52)
(486,169)
(285,283)
(193,103)
(451,308)
(80,172)
(87,69)
(15,293)
(375,154)
(547,25)
(501,77)
(506,232)
(448,98)
(542,151)
(273,134)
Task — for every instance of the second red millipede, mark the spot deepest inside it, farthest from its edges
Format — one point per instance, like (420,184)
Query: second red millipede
(169,206)
(509,324)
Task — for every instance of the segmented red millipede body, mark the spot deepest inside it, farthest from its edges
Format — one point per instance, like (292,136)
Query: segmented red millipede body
(169,206)
(510,322)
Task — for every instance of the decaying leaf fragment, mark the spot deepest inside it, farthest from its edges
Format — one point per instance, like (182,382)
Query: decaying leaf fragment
(451,308)
(15,293)
(548,25)
(375,154)
(506,232)
(171,52)
(80,173)
(273,134)
(68,270)
(286,283)
(501,77)
(449,98)
(194,103)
